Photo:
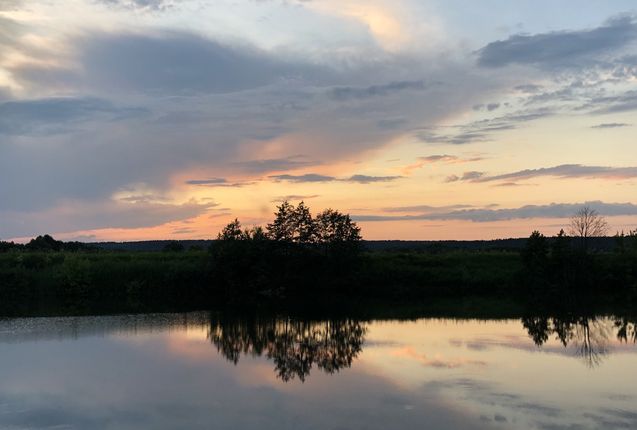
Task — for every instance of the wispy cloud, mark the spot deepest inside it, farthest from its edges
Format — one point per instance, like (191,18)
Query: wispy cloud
(441,159)
(275,164)
(314,177)
(564,171)
(560,48)
(611,125)
(308,177)
(218,183)
(359,93)
(553,210)
(294,197)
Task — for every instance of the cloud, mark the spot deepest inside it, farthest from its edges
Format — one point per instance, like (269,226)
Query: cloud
(10,4)
(364,179)
(313,177)
(611,125)
(564,171)
(213,181)
(473,176)
(58,115)
(624,102)
(155,5)
(358,93)
(426,208)
(183,63)
(274,164)
(308,177)
(560,49)
(217,183)
(69,216)
(553,210)
(293,197)
(433,159)
(482,130)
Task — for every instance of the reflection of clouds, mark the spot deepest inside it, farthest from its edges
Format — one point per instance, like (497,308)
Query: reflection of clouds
(437,361)
(503,406)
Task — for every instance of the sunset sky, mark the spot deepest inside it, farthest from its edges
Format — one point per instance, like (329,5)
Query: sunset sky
(423,119)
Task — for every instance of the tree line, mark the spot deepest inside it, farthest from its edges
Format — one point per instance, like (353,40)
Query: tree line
(570,262)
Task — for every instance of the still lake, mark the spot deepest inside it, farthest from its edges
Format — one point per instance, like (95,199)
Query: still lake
(205,370)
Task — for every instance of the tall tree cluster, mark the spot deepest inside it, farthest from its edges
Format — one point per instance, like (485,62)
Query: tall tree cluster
(295,224)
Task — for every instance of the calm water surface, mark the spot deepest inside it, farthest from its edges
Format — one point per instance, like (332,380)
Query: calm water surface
(203,371)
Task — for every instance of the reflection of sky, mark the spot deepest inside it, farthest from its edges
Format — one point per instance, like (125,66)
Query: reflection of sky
(423,374)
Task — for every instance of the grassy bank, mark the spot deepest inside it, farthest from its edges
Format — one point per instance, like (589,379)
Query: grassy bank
(195,279)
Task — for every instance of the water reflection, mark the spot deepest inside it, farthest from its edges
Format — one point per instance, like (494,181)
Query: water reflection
(295,346)
(589,337)
(216,370)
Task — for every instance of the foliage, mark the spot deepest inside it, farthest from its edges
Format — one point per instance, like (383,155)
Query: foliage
(296,254)
(535,255)
(174,246)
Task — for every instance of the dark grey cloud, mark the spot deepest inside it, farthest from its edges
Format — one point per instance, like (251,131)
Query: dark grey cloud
(560,49)
(553,210)
(217,183)
(58,115)
(183,63)
(611,125)
(308,177)
(564,171)
(313,177)
(365,179)
(357,93)
(213,181)
(74,215)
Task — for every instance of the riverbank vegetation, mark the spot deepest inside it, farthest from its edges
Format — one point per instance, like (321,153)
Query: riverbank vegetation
(318,260)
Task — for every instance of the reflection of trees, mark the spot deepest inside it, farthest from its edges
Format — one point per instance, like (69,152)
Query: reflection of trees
(588,336)
(626,329)
(294,346)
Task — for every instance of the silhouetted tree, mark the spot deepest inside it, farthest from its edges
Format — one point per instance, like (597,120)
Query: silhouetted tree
(282,228)
(535,255)
(333,227)
(232,231)
(8,246)
(587,223)
(303,226)
(44,243)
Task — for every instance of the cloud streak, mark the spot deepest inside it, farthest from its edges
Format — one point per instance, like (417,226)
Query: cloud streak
(560,49)
(553,210)
(314,177)
(564,171)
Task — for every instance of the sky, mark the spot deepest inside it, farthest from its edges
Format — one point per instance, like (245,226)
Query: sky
(423,119)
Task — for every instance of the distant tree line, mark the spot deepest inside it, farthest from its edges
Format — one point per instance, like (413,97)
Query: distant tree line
(46,243)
